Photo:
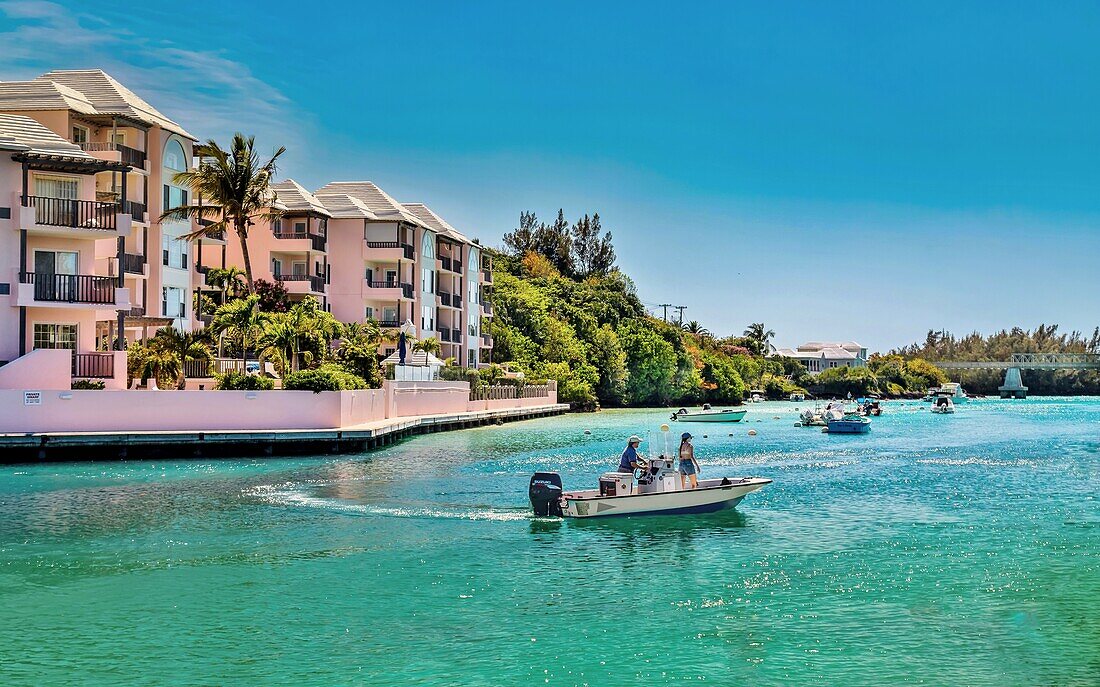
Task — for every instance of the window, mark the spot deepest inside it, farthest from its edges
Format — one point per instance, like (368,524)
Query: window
(174,157)
(276,267)
(55,336)
(427,319)
(389,314)
(173,252)
(370,313)
(427,261)
(172,301)
(56,187)
(300,227)
(298,269)
(391,277)
(118,138)
(80,134)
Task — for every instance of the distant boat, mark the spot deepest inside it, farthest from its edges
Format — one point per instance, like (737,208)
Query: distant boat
(955,390)
(798,398)
(943,405)
(709,415)
(757,396)
(849,424)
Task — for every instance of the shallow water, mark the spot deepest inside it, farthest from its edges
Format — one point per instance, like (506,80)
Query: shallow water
(936,550)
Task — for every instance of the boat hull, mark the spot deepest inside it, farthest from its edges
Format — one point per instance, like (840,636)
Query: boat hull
(848,427)
(710,497)
(720,416)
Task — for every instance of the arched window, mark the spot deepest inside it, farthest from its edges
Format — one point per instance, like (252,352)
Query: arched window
(174,157)
(427,263)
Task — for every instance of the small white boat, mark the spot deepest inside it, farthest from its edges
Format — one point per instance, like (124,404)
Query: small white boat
(955,391)
(707,414)
(798,398)
(943,405)
(657,491)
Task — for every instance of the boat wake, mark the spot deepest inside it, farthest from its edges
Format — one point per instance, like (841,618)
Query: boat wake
(293,498)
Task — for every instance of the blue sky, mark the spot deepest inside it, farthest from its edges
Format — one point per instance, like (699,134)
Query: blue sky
(839,171)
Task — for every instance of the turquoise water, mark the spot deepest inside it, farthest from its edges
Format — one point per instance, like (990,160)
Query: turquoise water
(935,550)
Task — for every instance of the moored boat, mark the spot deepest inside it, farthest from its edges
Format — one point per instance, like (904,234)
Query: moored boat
(943,405)
(848,424)
(707,414)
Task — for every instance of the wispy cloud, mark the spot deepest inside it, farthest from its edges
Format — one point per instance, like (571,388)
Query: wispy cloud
(205,90)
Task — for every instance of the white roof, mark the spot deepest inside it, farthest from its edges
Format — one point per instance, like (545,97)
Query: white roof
(42,95)
(826,353)
(417,358)
(292,197)
(25,135)
(436,222)
(378,202)
(343,206)
(820,345)
(85,91)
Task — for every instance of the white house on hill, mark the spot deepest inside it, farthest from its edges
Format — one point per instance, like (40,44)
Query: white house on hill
(818,356)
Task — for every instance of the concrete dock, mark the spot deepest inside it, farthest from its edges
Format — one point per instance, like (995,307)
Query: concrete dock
(140,445)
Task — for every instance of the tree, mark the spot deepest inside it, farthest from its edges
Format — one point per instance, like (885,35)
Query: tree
(185,346)
(652,362)
(693,327)
(273,295)
(609,359)
(429,345)
(593,254)
(236,188)
(242,318)
(358,351)
(757,332)
(522,240)
(229,280)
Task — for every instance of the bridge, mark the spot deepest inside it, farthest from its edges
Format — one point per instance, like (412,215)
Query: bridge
(1013,386)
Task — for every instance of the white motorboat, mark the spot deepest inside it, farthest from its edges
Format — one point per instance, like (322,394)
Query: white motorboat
(657,491)
(943,404)
(707,414)
(955,391)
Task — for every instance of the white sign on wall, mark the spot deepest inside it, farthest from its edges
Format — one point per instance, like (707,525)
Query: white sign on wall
(32,398)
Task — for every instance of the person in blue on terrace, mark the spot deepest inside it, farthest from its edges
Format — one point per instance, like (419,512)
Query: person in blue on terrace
(630,459)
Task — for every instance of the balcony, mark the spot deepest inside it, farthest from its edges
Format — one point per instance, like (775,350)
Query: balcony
(451,265)
(487,308)
(445,335)
(487,276)
(389,251)
(302,283)
(66,290)
(133,264)
(445,299)
(388,324)
(383,290)
(136,210)
(457,301)
(486,340)
(115,152)
(136,311)
(93,365)
(315,241)
(456,336)
(407,291)
(218,235)
(65,217)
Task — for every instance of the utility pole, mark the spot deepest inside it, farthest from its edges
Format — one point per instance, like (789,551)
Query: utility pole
(681,308)
(665,307)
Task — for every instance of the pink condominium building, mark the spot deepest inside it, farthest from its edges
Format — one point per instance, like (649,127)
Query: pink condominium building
(86,169)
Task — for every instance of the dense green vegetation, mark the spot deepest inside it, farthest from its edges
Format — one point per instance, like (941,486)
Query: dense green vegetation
(565,312)
(1001,345)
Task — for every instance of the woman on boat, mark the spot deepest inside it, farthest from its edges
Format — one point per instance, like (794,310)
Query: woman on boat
(630,460)
(689,467)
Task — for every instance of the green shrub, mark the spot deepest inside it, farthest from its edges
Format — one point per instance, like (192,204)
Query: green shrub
(324,378)
(89,385)
(234,380)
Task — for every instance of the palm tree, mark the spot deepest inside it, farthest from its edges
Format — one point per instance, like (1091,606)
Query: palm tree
(693,327)
(429,345)
(226,279)
(237,187)
(185,346)
(757,332)
(358,349)
(241,317)
(160,364)
(280,340)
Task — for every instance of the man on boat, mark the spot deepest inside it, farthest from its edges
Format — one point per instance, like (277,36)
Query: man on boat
(630,460)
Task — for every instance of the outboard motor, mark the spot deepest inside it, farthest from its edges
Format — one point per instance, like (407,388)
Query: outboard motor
(545,492)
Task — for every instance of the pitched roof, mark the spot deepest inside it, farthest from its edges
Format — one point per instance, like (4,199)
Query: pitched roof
(23,134)
(416,358)
(820,345)
(380,204)
(293,198)
(343,206)
(42,95)
(436,222)
(107,96)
